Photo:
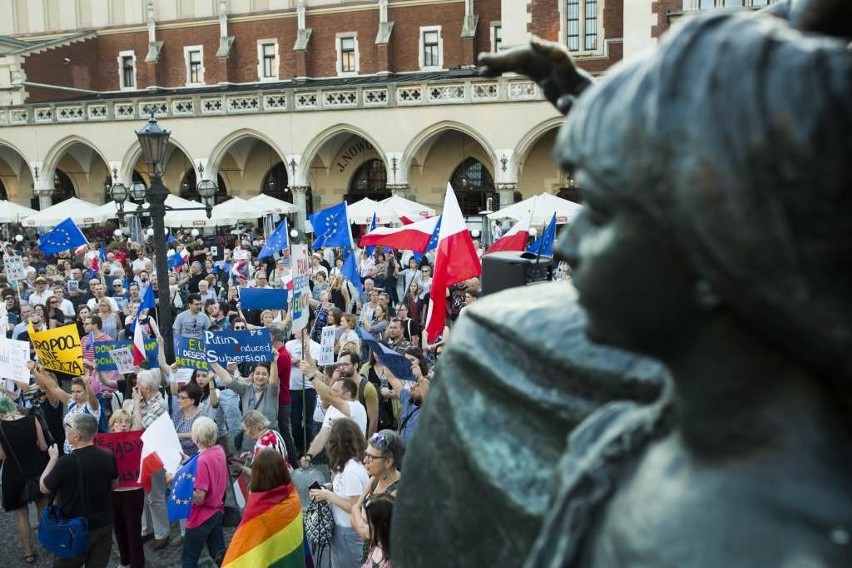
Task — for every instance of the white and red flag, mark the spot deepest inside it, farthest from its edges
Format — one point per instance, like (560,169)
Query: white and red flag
(414,236)
(455,260)
(516,238)
(160,449)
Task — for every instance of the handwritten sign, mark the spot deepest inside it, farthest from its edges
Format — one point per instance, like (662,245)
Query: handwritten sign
(301,286)
(103,350)
(13,358)
(190,353)
(241,254)
(59,349)
(240,346)
(127,447)
(14,268)
(123,360)
(326,356)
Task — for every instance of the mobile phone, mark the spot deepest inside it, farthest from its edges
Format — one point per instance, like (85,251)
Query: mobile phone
(315,485)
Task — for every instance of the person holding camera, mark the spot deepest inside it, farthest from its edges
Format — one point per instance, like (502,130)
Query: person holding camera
(22,449)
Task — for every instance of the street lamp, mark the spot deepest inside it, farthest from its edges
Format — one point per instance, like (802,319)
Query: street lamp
(154,142)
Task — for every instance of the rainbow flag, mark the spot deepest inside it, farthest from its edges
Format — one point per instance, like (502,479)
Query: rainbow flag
(271,533)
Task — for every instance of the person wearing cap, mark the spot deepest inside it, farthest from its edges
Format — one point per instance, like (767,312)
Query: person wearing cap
(317,266)
(41,294)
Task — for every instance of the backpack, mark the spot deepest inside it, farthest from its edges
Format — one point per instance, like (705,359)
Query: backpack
(319,523)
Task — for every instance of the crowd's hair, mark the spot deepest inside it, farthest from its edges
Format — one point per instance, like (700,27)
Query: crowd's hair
(268,471)
(120,415)
(379,511)
(390,444)
(345,442)
(84,424)
(204,431)
(255,420)
(149,378)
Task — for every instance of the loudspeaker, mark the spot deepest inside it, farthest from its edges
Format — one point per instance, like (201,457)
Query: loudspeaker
(502,270)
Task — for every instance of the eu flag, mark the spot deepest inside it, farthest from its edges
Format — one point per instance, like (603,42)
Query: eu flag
(331,227)
(350,271)
(175,260)
(66,235)
(371,250)
(277,241)
(396,363)
(544,245)
(183,483)
(148,300)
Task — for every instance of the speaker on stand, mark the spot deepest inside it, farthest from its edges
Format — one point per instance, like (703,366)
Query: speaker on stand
(503,270)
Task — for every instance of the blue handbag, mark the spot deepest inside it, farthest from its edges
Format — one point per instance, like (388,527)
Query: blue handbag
(66,538)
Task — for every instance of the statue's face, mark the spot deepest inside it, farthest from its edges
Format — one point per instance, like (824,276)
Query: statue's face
(631,279)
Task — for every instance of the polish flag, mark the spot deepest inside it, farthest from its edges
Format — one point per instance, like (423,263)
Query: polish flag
(408,217)
(414,236)
(517,237)
(455,260)
(138,344)
(160,449)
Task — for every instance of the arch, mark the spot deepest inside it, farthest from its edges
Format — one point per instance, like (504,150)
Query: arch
(313,148)
(224,145)
(369,180)
(18,173)
(55,154)
(276,183)
(424,140)
(16,150)
(63,187)
(473,185)
(134,152)
(531,138)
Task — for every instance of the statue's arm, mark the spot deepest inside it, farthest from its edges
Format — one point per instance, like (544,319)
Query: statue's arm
(547,63)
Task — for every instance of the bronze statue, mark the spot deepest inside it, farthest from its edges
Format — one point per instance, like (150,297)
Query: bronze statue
(715,238)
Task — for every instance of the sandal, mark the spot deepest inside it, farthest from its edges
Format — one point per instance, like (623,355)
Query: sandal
(30,558)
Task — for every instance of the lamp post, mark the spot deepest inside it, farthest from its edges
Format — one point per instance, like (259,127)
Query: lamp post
(154,142)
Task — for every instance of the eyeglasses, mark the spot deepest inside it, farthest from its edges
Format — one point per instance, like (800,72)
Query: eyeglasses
(238,327)
(371,457)
(181,397)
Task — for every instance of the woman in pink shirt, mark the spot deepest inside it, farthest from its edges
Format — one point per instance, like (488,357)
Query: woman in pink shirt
(204,525)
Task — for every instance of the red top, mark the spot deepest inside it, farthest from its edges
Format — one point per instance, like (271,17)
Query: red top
(285,363)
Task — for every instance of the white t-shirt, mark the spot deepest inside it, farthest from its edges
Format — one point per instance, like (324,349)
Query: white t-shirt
(347,484)
(294,348)
(357,412)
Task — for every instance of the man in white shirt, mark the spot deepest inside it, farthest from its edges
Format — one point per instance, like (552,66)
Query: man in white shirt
(342,399)
(99,293)
(299,388)
(65,305)
(41,294)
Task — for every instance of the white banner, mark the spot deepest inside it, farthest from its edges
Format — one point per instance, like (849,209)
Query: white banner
(326,356)
(301,286)
(13,359)
(123,360)
(14,268)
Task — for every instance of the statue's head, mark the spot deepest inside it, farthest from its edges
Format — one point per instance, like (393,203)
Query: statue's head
(730,147)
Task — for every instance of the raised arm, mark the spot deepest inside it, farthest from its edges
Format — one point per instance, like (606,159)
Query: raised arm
(547,63)
(227,379)
(92,399)
(46,383)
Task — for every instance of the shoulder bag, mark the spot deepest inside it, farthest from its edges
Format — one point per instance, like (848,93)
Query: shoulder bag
(66,538)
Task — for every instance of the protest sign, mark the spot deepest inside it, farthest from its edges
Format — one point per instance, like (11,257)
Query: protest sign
(189,353)
(238,346)
(123,360)
(241,254)
(327,346)
(127,447)
(59,349)
(301,286)
(263,299)
(13,359)
(14,268)
(105,362)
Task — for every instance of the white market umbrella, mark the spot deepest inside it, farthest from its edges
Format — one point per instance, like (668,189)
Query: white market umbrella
(239,208)
(11,212)
(195,218)
(543,207)
(81,212)
(272,205)
(361,212)
(403,205)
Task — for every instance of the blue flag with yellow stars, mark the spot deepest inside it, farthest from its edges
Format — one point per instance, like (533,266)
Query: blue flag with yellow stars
(183,484)
(331,227)
(64,236)
(277,241)
(372,250)
(544,245)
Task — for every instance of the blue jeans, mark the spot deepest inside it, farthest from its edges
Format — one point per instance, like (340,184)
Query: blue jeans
(346,548)
(209,532)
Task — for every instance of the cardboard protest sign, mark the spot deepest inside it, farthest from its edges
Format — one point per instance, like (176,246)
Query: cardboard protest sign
(14,268)
(263,299)
(189,353)
(327,346)
(105,362)
(123,360)
(127,447)
(59,349)
(301,286)
(238,346)
(13,359)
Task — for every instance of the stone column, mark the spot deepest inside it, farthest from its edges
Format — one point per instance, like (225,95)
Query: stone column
(400,189)
(300,193)
(45,198)
(506,191)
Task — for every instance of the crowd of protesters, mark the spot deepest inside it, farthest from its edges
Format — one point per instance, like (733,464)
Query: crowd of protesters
(352,418)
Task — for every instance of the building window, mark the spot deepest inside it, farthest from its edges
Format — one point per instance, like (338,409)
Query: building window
(127,70)
(431,52)
(496,37)
(267,59)
(194,58)
(709,4)
(583,25)
(347,53)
